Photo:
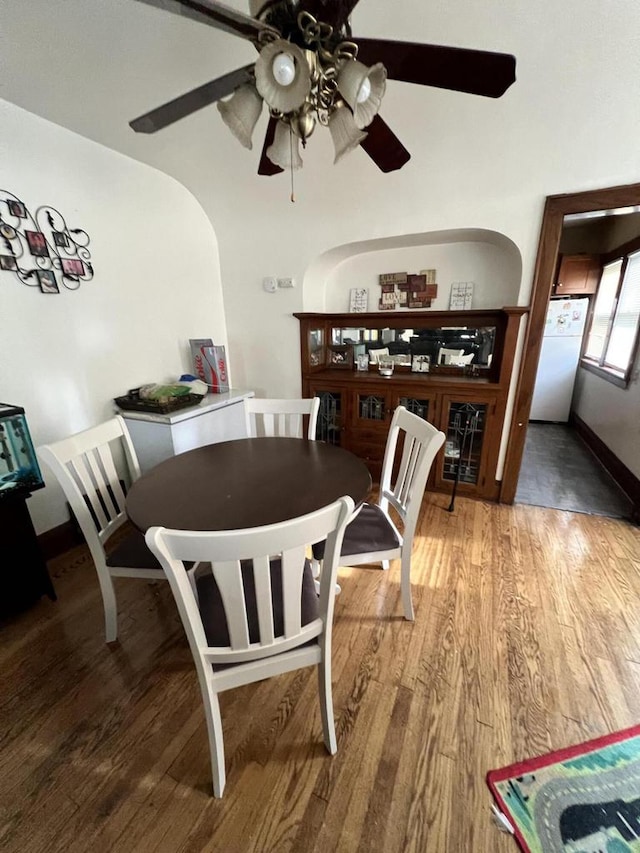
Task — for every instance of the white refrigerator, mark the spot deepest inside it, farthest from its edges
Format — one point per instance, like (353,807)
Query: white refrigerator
(559,357)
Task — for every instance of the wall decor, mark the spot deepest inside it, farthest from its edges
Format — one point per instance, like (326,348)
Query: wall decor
(406,290)
(358,299)
(461,296)
(40,249)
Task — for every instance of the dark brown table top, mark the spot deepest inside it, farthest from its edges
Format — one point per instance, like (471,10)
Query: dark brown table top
(245,483)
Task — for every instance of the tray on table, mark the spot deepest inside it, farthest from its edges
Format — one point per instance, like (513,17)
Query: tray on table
(133,402)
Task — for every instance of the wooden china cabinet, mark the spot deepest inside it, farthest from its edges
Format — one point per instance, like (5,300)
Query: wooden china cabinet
(466,402)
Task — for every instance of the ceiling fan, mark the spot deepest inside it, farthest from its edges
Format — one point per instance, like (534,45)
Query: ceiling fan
(311,70)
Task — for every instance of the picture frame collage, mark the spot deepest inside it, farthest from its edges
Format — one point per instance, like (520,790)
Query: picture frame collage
(40,249)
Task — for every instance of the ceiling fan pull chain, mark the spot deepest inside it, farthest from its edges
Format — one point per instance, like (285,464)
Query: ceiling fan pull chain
(292,197)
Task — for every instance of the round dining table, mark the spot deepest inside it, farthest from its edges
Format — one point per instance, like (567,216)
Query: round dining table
(245,483)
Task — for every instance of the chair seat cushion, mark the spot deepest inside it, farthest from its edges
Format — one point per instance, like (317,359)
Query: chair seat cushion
(132,553)
(212,611)
(370,531)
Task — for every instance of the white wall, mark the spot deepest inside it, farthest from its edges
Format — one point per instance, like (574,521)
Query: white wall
(156,284)
(612,413)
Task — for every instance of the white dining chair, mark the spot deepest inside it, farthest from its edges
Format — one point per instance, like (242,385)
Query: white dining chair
(270,417)
(255,613)
(372,536)
(85,467)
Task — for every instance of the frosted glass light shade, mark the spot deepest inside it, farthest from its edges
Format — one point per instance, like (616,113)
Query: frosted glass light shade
(241,112)
(288,96)
(344,131)
(285,150)
(354,80)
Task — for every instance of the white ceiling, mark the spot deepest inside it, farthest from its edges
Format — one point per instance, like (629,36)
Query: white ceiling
(93,65)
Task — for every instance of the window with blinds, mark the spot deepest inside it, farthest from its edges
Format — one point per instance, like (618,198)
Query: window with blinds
(613,336)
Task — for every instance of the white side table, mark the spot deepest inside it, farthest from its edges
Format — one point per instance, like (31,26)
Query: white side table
(219,417)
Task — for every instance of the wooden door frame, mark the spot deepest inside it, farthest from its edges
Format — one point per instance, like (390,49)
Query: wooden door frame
(555,209)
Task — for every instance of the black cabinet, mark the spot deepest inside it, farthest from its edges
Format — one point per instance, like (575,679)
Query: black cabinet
(23,571)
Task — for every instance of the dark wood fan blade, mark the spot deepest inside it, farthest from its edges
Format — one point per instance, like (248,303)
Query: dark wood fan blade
(478,72)
(216,15)
(334,12)
(384,147)
(192,101)
(266,167)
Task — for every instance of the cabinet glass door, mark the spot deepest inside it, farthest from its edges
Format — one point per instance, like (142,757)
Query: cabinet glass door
(315,347)
(371,407)
(465,430)
(421,407)
(330,416)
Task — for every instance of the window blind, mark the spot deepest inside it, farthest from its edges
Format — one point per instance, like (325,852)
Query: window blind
(625,322)
(603,309)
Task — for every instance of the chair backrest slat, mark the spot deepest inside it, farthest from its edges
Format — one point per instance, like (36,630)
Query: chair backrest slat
(264,598)
(292,590)
(228,576)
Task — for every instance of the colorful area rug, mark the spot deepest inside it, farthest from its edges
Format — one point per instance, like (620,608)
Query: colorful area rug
(583,799)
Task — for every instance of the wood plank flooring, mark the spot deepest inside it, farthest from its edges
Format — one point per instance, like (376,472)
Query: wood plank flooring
(526,639)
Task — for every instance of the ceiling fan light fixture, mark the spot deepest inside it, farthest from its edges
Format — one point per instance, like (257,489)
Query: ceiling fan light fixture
(241,112)
(283,90)
(363,89)
(345,133)
(284,69)
(285,148)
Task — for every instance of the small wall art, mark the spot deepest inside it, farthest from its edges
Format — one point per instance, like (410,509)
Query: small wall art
(406,290)
(39,248)
(358,299)
(461,296)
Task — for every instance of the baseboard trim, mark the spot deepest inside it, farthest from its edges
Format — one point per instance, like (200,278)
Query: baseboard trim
(58,540)
(626,479)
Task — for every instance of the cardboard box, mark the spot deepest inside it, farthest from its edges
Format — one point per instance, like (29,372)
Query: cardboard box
(210,364)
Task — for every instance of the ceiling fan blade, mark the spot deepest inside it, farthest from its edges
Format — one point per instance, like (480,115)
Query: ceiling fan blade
(334,12)
(266,167)
(384,147)
(192,101)
(216,15)
(478,72)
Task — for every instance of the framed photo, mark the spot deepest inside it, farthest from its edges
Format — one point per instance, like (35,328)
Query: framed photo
(17,208)
(48,283)
(362,361)
(340,355)
(7,262)
(7,231)
(60,238)
(37,243)
(72,266)
(420,364)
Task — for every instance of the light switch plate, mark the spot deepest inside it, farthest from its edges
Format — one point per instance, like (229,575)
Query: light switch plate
(285,282)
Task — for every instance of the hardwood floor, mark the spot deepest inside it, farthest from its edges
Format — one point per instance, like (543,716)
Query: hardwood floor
(526,639)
